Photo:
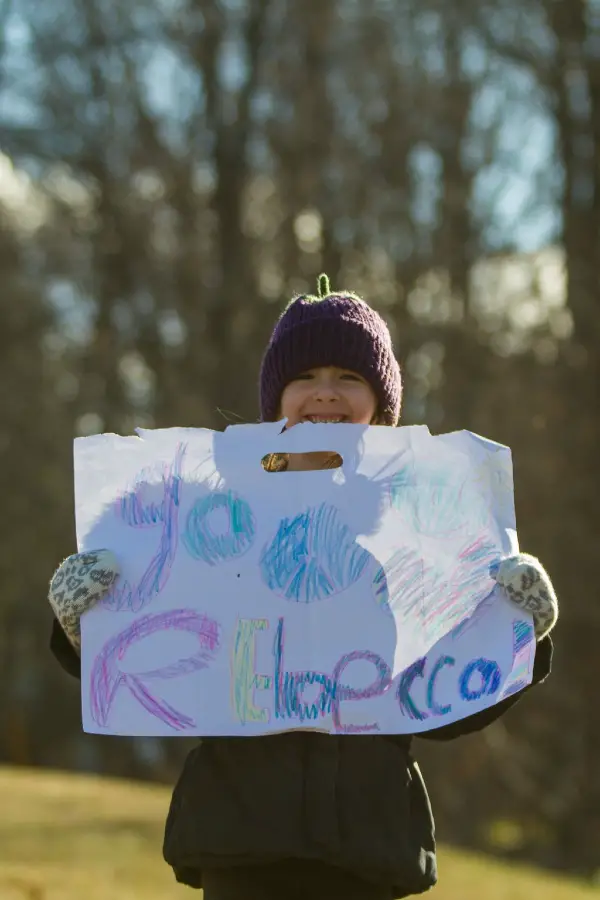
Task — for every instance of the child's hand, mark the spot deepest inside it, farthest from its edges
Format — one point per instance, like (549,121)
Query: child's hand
(82,580)
(529,587)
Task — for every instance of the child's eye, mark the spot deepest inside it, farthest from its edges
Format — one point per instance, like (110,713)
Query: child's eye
(304,376)
(352,376)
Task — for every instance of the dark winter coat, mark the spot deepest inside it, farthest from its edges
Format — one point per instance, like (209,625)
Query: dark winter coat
(358,802)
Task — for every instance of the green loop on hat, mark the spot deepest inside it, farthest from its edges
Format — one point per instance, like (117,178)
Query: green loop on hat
(324,287)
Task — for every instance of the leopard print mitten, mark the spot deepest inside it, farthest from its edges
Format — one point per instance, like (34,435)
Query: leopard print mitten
(81,580)
(528,586)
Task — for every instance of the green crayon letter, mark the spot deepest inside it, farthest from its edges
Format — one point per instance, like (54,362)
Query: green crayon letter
(244,680)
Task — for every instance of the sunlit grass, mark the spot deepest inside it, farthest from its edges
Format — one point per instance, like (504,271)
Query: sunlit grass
(66,837)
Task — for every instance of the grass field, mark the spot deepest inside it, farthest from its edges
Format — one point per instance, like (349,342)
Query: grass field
(65,837)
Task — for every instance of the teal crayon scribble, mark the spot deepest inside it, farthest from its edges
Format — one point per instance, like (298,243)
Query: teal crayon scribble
(201,540)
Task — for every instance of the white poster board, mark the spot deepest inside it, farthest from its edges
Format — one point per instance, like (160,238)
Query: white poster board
(347,600)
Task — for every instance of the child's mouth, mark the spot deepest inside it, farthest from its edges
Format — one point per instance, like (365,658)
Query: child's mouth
(331,420)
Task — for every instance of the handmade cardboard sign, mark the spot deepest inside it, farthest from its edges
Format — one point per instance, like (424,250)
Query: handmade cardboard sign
(350,600)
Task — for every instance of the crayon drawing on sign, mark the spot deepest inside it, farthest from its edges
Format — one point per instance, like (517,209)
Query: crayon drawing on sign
(433,505)
(243,609)
(313,556)
(437,595)
(523,640)
(203,538)
(132,510)
(108,678)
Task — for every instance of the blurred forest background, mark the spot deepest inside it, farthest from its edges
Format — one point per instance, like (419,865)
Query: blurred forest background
(173,170)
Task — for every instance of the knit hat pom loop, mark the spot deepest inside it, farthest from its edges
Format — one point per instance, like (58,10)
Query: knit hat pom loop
(323,287)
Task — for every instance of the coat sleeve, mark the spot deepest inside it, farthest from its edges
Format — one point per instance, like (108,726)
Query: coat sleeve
(63,651)
(541,669)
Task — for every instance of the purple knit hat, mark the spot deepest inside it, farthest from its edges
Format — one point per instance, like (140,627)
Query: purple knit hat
(331,330)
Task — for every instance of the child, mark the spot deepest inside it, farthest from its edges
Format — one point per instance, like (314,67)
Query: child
(303,814)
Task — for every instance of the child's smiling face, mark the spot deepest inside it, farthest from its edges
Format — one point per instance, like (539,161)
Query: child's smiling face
(328,394)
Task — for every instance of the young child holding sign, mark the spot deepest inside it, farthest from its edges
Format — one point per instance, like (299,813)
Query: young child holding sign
(303,814)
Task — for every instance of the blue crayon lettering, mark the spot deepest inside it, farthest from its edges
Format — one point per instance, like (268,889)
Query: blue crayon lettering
(490,679)
(431,703)
(312,556)
(522,636)
(289,686)
(278,681)
(407,705)
(203,543)
(293,685)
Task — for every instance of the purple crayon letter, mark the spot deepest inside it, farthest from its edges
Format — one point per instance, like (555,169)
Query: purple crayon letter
(107,678)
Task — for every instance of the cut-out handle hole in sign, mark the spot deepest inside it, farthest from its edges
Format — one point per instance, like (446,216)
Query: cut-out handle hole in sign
(313,461)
